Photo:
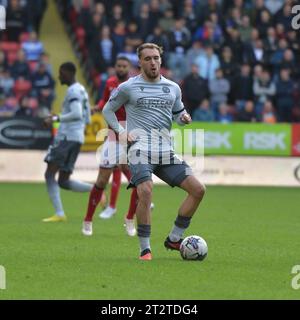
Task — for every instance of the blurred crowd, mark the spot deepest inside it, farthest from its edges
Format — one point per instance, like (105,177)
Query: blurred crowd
(236,60)
(26,79)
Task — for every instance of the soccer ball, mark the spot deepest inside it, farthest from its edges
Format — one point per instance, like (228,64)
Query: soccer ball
(193,248)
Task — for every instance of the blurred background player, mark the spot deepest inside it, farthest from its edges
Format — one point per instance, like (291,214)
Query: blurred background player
(122,68)
(107,166)
(62,154)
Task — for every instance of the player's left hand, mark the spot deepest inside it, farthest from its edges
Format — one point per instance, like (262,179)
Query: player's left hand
(186,118)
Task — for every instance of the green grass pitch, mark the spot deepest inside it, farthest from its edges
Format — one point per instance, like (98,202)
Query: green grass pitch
(253,236)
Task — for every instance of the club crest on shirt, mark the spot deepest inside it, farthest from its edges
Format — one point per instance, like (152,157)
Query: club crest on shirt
(165,89)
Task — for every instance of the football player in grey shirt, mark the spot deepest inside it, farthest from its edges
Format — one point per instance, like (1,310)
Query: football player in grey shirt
(151,103)
(62,154)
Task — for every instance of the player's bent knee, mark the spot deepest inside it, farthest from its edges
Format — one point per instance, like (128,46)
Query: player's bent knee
(199,190)
(64,184)
(196,189)
(144,190)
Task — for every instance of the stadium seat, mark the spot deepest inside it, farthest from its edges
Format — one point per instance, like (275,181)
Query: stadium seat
(33,103)
(24,36)
(8,46)
(32,66)
(21,88)
(11,102)
(73,17)
(12,56)
(80,34)
(80,41)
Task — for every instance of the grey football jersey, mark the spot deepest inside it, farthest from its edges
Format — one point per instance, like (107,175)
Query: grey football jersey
(150,108)
(74,130)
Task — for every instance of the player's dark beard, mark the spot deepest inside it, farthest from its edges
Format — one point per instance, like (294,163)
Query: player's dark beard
(122,77)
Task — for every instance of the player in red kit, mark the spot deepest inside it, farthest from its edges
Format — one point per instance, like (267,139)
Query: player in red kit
(122,68)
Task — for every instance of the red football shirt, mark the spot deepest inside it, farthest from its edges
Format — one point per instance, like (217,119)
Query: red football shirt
(111,84)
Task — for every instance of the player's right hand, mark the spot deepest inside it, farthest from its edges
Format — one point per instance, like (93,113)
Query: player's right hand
(126,137)
(47,122)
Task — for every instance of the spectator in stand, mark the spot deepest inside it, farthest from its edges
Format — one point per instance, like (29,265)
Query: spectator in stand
(8,105)
(266,23)
(117,15)
(203,112)
(284,16)
(277,56)
(194,89)
(245,29)
(219,89)
(24,109)
(243,87)
(160,38)
(255,53)
(259,7)
(144,21)
(155,13)
(224,115)
(270,44)
(280,31)
(288,62)
(103,51)
(16,20)
(43,87)
(284,96)
(46,60)
(119,35)
(35,11)
(179,38)
(3,62)
(263,88)
(247,114)
(293,42)
(166,22)
(20,67)
(208,63)
(268,114)
(33,48)
(130,53)
(209,33)
(234,19)
(274,5)
(192,53)
(236,45)
(97,22)
(6,82)
(229,66)
(204,9)
(133,36)
(190,16)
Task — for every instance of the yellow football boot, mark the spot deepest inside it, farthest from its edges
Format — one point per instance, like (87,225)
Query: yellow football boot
(55,218)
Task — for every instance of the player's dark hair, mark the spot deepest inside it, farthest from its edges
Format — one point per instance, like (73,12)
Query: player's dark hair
(148,45)
(123,58)
(69,66)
